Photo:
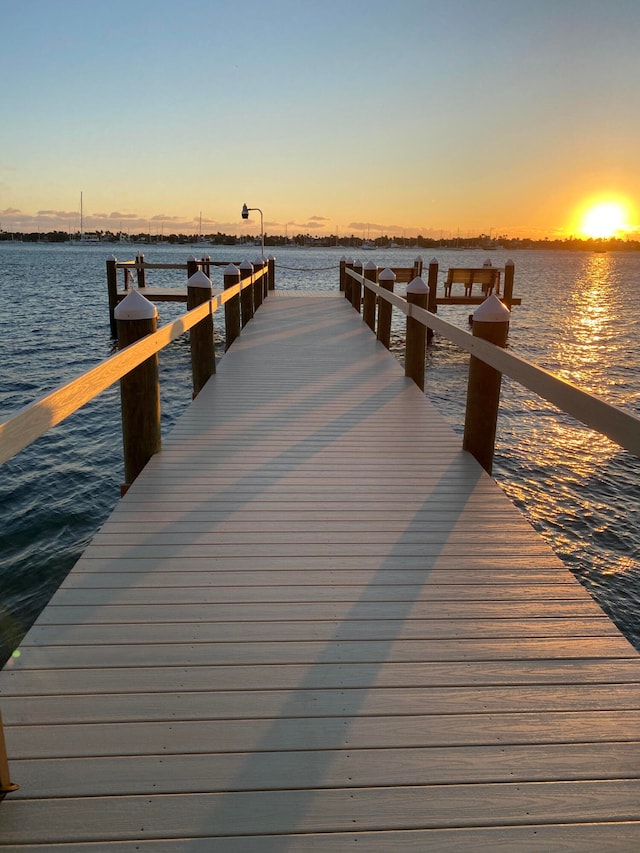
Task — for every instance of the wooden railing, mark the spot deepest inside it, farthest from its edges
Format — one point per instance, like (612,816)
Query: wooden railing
(621,427)
(140,267)
(35,419)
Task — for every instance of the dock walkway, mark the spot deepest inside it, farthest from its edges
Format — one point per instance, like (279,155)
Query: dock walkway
(315,624)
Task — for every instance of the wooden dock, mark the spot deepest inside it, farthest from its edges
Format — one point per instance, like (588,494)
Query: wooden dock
(315,624)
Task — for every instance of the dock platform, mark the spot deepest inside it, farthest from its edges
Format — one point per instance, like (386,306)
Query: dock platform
(315,624)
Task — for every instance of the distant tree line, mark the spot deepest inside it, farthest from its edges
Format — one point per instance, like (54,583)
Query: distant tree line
(482,241)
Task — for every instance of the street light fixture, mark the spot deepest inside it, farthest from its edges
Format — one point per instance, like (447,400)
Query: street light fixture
(245,215)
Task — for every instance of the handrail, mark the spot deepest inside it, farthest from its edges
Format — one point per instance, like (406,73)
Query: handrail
(144,265)
(35,419)
(621,427)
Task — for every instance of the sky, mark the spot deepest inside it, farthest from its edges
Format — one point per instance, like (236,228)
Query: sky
(363,117)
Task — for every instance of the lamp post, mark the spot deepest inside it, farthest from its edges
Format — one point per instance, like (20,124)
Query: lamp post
(245,215)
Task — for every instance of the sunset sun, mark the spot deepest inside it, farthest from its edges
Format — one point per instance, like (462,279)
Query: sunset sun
(604,219)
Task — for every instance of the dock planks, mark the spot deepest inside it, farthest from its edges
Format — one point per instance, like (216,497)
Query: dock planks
(314,623)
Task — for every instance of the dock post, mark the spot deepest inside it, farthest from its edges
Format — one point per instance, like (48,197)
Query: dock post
(369,297)
(432,282)
(386,280)
(348,281)
(271,285)
(139,389)
(246,295)
(417,267)
(507,291)
(192,266)
(416,337)
(258,287)
(6,785)
(112,292)
(356,288)
(491,323)
(232,307)
(342,273)
(203,357)
(140,270)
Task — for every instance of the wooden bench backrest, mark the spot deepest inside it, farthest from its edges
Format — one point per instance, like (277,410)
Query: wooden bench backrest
(475,275)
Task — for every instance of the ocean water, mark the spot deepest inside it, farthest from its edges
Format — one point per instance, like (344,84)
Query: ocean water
(578,319)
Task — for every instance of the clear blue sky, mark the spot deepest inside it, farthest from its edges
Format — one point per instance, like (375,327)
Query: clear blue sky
(418,115)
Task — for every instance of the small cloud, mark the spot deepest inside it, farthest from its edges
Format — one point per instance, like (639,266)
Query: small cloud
(117,215)
(10,211)
(318,219)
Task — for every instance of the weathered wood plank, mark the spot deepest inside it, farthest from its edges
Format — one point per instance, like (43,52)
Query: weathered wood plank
(504,631)
(345,701)
(119,725)
(315,593)
(341,611)
(341,769)
(523,662)
(329,810)
(208,577)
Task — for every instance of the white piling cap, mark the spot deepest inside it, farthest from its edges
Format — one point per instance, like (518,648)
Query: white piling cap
(343,258)
(387,275)
(135,307)
(433,261)
(349,261)
(370,266)
(231,269)
(492,311)
(417,286)
(199,279)
(112,258)
(419,258)
(190,258)
(509,263)
(246,265)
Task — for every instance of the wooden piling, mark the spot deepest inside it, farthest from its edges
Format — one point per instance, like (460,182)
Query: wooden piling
(6,785)
(386,280)
(139,389)
(491,323)
(203,359)
(432,283)
(246,296)
(271,284)
(507,291)
(140,270)
(348,281)
(258,287)
(356,288)
(417,267)
(416,337)
(192,267)
(369,297)
(112,293)
(342,273)
(232,307)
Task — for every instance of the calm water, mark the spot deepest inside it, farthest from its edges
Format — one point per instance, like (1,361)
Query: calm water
(578,319)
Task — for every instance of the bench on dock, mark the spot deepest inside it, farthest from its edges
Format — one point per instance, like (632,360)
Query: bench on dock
(487,277)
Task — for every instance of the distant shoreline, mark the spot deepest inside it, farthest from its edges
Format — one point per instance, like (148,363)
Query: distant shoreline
(383,243)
